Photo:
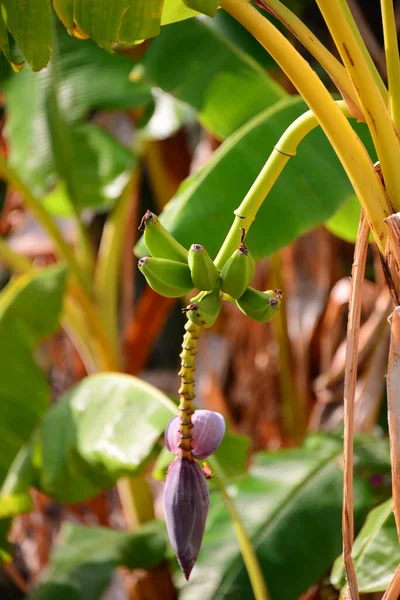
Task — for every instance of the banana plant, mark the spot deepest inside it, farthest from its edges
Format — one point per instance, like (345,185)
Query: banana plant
(173,270)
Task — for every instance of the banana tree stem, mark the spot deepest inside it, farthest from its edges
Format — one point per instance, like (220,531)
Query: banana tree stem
(332,66)
(248,553)
(392,59)
(387,144)
(343,138)
(283,151)
(15,261)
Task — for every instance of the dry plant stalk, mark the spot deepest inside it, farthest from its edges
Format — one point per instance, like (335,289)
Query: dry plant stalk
(350,381)
(393,591)
(393,400)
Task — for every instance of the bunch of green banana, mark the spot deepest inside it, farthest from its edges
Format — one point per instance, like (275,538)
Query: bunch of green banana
(204,312)
(159,242)
(238,271)
(205,274)
(168,278)
(260,306)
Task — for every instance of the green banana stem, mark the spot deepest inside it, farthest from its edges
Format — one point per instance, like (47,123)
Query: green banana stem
(13,260)
(285,149)
(186,390)
(248,553)
(332,66)
(392,59)
(342,137)
(108,268)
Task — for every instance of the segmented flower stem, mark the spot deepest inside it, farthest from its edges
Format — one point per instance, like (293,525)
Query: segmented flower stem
(186,390)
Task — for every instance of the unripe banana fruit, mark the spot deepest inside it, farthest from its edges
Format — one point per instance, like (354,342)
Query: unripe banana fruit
(238,271)
(159,242)
(260,306)
(204,312)
(205,274)
(167,277)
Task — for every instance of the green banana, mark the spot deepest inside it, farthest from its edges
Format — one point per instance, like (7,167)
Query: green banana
(238,271)
(205,274)
(260,306)
(159,242)
(167,277)
(205,311)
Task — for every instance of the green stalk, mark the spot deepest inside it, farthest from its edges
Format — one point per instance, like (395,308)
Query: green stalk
(392,59)
(248,553)
(343,138)
(387,144)
(136,500)
(285,149)
(330,63)
(108,268)
(363,49)
(45,220)
(293,406)
(15,261)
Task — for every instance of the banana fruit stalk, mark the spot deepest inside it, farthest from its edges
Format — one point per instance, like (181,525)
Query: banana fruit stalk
(205,311)
(168,278)
(159,242)
(260,306)
(238,271)
(205,274)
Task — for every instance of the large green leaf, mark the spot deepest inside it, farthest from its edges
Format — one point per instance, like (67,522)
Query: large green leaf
(224,84)
(29,21)
(89,79)
(207,7)
(29,310)
(82,565)
(344,223)
(118,22)
(123,21)
(103,428)
(291,505)
(311,188)
(376,552)
(240,37)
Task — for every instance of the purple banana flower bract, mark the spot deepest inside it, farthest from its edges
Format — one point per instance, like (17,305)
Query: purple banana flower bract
(186,502)
(207,433)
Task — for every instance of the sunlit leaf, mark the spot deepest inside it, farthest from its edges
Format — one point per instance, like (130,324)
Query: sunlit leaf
(82,565)
(15,504)
(225,85)
(291,504)
(176,10)
(103,428)
(120,21)
(29,310)
(29,21)
(208,7)
(376,552)
(89,79)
